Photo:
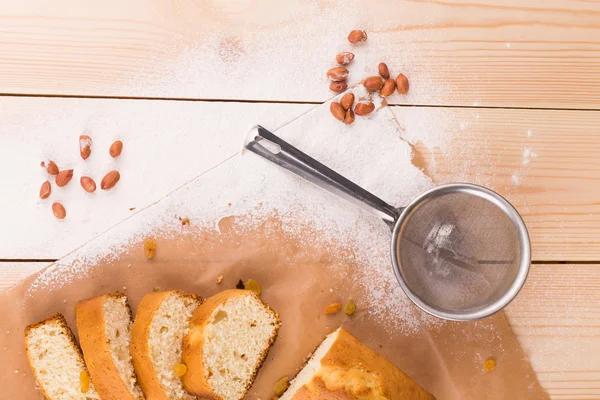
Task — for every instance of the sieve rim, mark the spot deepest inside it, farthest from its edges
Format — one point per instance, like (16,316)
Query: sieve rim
(524,263)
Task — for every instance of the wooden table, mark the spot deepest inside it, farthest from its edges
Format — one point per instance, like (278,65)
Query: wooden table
(512,87)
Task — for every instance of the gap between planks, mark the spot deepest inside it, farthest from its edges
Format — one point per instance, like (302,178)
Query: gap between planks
(213,100)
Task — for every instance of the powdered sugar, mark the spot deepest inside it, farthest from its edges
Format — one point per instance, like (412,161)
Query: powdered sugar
(369,152)
(166,144)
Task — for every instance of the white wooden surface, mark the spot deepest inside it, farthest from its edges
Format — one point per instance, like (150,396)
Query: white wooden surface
(166,144)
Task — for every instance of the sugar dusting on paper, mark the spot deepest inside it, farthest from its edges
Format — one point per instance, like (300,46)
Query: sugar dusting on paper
(369,152)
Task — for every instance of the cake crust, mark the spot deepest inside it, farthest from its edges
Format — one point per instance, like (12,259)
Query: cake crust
(140,348)
(194,381)
(96,351)
(60,320)
(352,371)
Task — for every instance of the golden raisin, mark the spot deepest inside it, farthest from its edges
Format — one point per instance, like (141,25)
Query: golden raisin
(150,248)
(84,381)
(333,308)
(253,286)
(282,385)
(489,365)
(350,308)
(179,370)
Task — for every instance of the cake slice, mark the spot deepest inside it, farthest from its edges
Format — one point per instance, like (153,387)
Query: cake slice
(344,368)
(57,362)
(104,327)
(161,322)
(229,338)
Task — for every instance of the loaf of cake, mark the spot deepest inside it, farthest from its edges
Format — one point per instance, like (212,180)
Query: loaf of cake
(344,368)
(161,322)
(104,328)
(57,362)
(229,338)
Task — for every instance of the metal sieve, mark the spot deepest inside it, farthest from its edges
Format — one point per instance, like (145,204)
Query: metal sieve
(459,251)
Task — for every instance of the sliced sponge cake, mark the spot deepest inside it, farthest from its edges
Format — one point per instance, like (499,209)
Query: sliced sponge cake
(57,362)
(161,322)
(344,368)
(229,338)
(104,327)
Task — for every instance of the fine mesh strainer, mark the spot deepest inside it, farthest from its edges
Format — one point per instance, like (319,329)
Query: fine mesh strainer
(460,251)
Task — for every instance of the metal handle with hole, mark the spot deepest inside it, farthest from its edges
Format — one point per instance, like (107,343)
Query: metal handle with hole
(287,156)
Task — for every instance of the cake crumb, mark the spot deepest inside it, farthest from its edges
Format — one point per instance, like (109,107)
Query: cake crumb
(219,279)
(333,308)
(489,365)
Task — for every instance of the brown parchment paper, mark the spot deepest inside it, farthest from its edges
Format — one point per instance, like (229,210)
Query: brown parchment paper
(296,278)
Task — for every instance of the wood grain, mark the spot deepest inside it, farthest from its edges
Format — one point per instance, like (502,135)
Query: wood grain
(547,163)
(484,52)
(557,320)
(15,271)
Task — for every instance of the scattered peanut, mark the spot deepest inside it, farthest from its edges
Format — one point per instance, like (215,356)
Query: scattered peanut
(402,84)
(349,118)
(388,88)
(338,87)
(373,83)
(347,101)
(338,74)
(383,70)
(357,36)
(45,190)
(337,110)
(344,58)
(364,108)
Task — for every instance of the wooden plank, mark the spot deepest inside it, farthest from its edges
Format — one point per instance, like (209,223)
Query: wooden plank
(547,163)
(169,143)
(13,272)
(166,144)
(484,52)
(557,320)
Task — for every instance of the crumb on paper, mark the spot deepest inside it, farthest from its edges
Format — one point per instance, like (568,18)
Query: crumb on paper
(281,385)
(124,287)
(350,308)
(150,248)
(128,265)
(253,286)
(219,279)
(229,204)
(489,365)
(131,208)
(185,221)
(330,290)
(333,308)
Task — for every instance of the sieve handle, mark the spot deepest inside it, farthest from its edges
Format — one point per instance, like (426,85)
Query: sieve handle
(267,145)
